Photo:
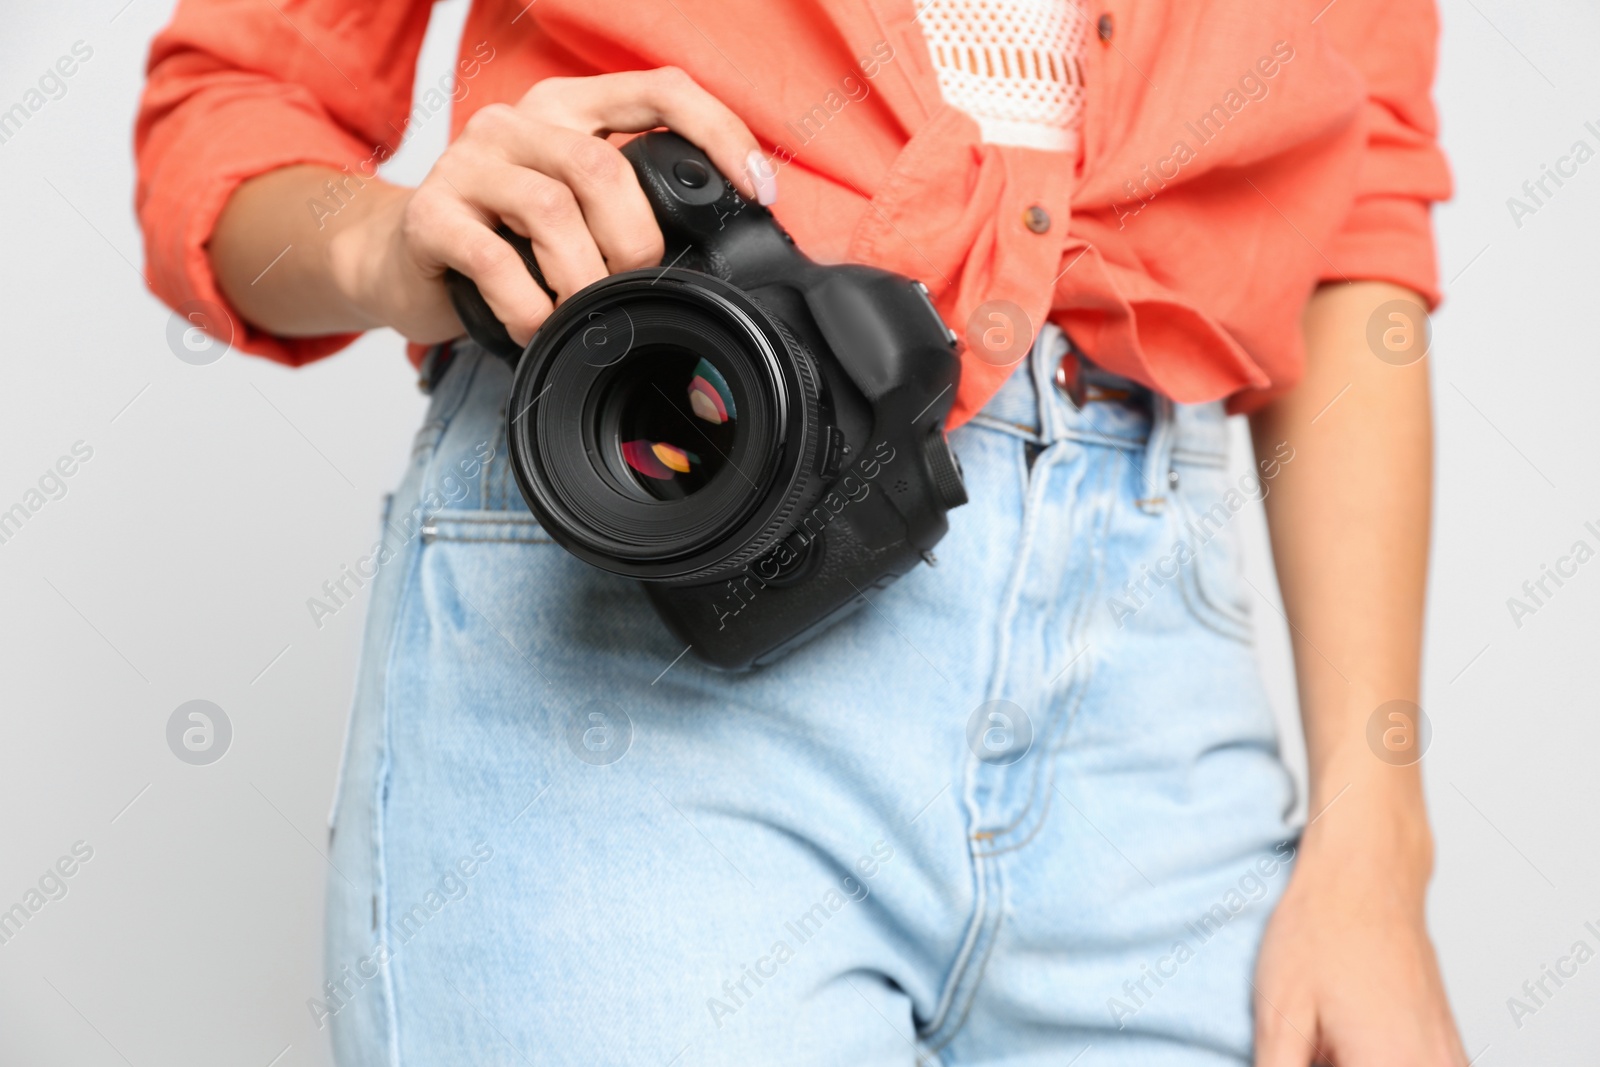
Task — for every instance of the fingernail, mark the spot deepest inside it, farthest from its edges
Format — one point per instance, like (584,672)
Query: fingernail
(762,176)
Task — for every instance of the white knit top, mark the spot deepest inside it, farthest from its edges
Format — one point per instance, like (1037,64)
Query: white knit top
(1013,65)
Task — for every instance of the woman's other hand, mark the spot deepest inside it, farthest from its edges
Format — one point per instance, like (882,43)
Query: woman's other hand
(542,166)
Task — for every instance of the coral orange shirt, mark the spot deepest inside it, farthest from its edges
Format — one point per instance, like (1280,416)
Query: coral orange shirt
(1234,154)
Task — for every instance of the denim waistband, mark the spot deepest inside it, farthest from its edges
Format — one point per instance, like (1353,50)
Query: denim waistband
(1132,418)
(1030,405)
(1119,413)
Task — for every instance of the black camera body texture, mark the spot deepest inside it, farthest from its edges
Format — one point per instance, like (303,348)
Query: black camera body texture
(839,475)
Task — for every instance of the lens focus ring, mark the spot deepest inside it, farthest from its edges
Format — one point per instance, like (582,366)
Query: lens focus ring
(683,458)
(807,481)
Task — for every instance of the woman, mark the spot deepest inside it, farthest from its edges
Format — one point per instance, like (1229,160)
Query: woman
(1027,803)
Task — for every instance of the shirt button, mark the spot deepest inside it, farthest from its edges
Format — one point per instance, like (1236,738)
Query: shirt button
(1105,26)
(1036,219)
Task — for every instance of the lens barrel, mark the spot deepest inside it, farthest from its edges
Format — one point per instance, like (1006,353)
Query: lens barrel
(662,425)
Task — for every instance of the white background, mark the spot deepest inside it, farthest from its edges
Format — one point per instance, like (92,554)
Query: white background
(219,498)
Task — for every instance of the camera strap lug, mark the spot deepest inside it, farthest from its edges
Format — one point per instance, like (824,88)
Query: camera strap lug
(833,453)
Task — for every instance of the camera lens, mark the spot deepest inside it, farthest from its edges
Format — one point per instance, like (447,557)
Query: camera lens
(685,451)
(674,420)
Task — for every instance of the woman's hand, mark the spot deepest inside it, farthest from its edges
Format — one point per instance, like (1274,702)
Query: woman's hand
(541,166)
(1347,975)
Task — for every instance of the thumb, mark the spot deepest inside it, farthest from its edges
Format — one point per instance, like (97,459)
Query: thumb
(1283,1040)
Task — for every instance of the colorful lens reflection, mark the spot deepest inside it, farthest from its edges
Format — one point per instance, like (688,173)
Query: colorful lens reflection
(709,395)
(673,419)
(657,459)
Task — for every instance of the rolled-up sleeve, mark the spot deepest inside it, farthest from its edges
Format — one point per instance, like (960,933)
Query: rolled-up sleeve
(1388,234)
(237,88)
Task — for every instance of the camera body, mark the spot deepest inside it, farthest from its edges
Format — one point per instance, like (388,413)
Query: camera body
(757,437)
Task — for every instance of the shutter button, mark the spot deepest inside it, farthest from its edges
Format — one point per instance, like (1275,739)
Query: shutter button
(1036,219)
(690,173)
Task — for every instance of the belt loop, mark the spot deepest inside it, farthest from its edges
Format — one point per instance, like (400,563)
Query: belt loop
(434,363)
(1158,455)
(1048,349)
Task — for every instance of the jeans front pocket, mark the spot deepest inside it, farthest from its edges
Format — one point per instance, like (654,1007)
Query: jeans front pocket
(1207,510)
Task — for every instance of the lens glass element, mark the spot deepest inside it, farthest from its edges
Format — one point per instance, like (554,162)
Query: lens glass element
(676,420)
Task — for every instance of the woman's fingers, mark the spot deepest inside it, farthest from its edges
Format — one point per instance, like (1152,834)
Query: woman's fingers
(544,169)
(546,212)
(607,189)
(601,181)
(1278,1042)
(637,100)
(449,232)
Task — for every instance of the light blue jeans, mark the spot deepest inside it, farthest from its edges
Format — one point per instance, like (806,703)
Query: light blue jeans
(1027,802)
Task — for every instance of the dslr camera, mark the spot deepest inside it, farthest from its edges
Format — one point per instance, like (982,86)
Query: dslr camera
(757,438)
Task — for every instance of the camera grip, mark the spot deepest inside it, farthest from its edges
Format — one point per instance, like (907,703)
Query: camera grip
(474,311)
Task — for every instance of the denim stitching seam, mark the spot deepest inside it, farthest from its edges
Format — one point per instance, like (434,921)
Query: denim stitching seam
(450,404)
(1044,770)
(1203,608)
(380,803)
(963,987)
